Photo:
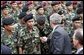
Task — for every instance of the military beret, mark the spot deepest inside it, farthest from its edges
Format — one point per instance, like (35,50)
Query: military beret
(44,3)
(5,50)
(29,3)
(39,7)
(68,3)
(8,21)
(25,9)
(21,15)
(74,2)
(41,20)
(55,3)
(28,17)
(12,2)
(77,17)
(3,7)
(19,2)
(79,10)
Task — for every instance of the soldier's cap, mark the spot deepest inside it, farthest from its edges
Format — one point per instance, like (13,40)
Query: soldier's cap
(44,3)
(21,15)
(4,7)
(28,17)
(41,20)
(39,7)
(8,21)
(29,3)
(3,2)
(56,17)
(76,18)
(79,10)
(68,3)
(55,3)
(74,2)
(5,50)
(12,2)
(25,9)
(19,2)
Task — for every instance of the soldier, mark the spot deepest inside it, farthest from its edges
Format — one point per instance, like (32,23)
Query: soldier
(76,23)
(40,12)
(69,12)
(44,30)
(21,22)
(29,41)
(8,36)
(5,12)
(14,10)
(20,25)
(80,13)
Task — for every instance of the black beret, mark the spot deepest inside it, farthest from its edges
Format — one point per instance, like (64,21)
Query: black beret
(77,17)
(4,7)
(28,17)
(55,3)
(5,50)
(39,7)
(25,9)
(21,15)
(8,21)
(41,20)
(68,3)
(80,10)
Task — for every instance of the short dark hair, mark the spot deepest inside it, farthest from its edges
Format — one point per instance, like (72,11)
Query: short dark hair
(38,7)
(55,3)
(79,36)
(75,18)
(79,10)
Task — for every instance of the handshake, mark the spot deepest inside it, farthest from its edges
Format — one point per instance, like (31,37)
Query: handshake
(43,39)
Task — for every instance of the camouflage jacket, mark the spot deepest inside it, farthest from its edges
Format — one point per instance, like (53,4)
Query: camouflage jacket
(9,40)
(29,41)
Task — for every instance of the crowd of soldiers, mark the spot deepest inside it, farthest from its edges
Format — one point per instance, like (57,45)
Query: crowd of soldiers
(24,22)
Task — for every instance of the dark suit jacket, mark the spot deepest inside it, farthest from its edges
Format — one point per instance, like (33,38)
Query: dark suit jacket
(59,43)
(5,49)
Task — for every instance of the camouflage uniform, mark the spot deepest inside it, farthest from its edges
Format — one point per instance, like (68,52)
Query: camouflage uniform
(15,15)
(9,40)
(44,32)
(29,41)
(69,22)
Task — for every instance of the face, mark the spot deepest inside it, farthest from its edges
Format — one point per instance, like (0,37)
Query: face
(70,7)
(8,27)
(51,24)
(75,42)
(20,5)
(5,11)
(31,6)
(76,24)
(41,11)
(30,23)
(56,7)
(14,5)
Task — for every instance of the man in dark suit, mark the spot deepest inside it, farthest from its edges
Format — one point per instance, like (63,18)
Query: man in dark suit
(78,40)
(59,41)
(5,50)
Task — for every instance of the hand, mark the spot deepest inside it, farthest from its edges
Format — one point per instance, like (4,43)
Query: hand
(43,39)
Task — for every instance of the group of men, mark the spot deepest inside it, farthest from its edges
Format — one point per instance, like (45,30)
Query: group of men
(42,27)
